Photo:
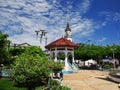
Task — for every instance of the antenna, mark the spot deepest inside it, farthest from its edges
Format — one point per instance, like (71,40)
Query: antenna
(67,18)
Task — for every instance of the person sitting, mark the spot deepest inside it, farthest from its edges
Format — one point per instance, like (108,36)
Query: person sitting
(61,75)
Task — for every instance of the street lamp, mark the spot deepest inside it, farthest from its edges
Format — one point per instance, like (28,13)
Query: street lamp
(41,35)
(113,55)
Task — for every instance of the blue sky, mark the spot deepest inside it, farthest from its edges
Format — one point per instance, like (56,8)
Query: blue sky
(95,20)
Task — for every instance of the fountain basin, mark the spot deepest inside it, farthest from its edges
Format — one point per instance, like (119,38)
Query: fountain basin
(114,75)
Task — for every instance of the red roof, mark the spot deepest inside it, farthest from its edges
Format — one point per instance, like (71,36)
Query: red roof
(61,42)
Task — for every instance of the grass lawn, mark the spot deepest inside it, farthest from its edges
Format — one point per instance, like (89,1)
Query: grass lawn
(7,84)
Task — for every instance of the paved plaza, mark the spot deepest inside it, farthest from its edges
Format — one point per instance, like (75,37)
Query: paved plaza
(89,80)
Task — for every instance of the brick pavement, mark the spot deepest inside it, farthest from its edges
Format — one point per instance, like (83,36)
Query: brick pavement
(89,80)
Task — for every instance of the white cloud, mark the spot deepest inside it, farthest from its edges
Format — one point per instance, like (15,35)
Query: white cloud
(34,15)
(84,6)
(83,28)
(110,16)
(102,39)
(116,16)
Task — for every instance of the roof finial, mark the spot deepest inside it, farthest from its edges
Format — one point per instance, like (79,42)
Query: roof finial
(67,18)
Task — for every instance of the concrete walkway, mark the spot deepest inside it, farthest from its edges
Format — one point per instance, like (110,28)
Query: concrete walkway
(89,80)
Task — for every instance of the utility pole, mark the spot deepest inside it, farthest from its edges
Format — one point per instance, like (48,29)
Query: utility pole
(41,35)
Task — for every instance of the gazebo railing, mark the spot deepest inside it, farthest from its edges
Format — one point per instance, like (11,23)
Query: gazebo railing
(76,66)
(71,67)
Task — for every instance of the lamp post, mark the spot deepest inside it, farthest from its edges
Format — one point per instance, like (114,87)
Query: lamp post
(41,35)
(113,55)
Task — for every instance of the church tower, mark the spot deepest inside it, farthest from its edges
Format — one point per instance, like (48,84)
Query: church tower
(68,33)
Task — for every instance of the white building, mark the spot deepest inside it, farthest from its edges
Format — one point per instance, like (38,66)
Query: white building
(90,62)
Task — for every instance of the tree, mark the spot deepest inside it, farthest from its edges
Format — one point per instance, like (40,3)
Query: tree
(57,66)
(117,52)
(31,68)
(4,54)
(86,51)
(16,51)
(97,52)
(34,50)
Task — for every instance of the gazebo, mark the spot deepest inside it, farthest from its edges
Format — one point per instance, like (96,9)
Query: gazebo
(62,45)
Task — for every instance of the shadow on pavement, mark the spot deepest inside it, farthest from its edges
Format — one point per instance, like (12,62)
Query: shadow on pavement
(107,79)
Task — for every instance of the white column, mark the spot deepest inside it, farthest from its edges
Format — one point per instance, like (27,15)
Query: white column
(66,58)
(55,55)
(73,56)
(66,64)
(55,58)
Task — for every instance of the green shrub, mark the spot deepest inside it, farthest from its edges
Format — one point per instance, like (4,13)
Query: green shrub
(57,66)
(7,84)
(108,65)
(31,71)
(63,88)
(53,84)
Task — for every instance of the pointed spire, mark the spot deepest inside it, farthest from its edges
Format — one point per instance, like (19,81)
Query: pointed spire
(67,27)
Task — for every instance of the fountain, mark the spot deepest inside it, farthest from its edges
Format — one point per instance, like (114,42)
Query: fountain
(114,75)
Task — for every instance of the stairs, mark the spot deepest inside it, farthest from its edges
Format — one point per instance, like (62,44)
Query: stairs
(71,68)
(75,67)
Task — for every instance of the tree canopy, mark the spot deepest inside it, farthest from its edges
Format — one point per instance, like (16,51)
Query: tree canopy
(4,54)
(88,51)
(31,68)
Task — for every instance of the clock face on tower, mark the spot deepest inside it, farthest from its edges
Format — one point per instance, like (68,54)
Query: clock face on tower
(69,34)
